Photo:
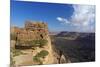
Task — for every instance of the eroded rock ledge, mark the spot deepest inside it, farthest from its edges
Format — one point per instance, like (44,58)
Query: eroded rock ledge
(28,42)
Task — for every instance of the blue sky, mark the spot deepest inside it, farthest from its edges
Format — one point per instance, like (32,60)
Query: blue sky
(60,17)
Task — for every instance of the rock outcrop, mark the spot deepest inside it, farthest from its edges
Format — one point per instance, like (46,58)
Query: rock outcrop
(32,38)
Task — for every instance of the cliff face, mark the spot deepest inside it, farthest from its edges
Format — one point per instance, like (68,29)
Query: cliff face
(32,45)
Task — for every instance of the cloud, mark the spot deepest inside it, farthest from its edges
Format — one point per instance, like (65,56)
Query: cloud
(83,18)
(62,20)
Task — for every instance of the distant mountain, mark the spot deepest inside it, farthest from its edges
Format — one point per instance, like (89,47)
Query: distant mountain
(67,34)
(78,46)
(78,35)
(86,36)
(53,33)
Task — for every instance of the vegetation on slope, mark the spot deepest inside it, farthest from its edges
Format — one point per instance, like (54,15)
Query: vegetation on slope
(34,43)
(38,56)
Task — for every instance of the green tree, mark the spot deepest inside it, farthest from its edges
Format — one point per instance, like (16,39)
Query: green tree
(42,54)
(37,60)
(38,56)
(43,42)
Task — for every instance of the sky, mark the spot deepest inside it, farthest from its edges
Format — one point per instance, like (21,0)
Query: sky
(59,17)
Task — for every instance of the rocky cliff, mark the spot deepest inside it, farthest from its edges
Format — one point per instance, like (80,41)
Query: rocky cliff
(31,45)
